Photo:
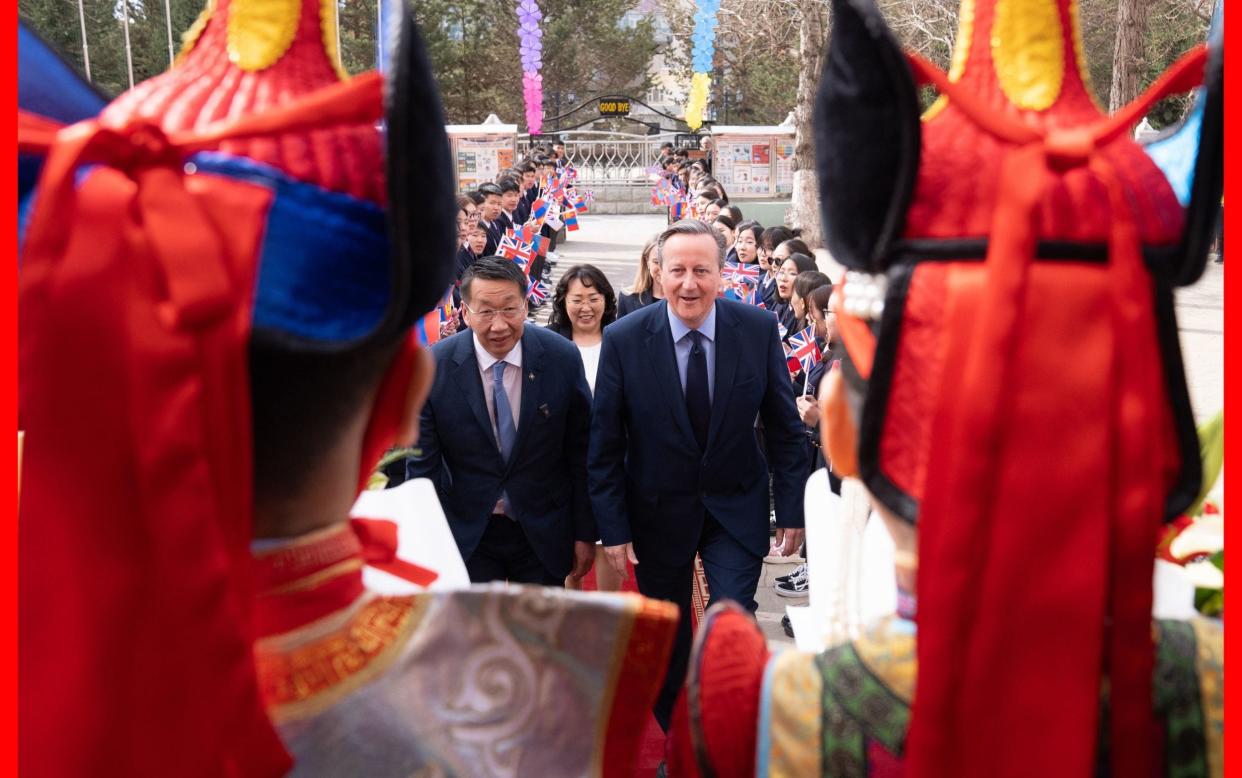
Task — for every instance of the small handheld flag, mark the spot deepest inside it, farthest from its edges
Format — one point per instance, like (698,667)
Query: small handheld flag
(537,292)
(803,350)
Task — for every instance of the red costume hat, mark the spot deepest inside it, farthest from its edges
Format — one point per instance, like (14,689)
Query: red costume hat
(237,197)
(1016,384)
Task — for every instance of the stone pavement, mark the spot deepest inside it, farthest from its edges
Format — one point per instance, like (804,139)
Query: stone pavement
(614,244)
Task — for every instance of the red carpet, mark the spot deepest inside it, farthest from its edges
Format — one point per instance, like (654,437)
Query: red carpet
(651,749)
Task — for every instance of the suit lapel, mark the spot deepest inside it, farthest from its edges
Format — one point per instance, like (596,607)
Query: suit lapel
(532,371)
(727,355)
(471,384)
(664,362)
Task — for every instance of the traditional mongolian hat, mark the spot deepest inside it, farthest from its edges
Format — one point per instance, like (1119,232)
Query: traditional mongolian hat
(249,195)
(1013,383)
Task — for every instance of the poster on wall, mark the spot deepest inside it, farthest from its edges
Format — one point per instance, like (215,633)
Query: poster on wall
(750,161)
(784,166)
(479,159)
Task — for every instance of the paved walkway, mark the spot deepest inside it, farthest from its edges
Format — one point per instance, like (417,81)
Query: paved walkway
(614,244)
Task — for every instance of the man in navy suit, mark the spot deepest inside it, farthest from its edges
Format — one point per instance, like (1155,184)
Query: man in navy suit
(674,463)
(503,436)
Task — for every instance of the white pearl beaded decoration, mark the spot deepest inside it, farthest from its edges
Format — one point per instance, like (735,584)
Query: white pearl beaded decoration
(864,293)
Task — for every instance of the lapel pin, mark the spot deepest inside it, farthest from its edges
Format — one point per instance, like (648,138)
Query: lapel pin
(544,410)
(530,376)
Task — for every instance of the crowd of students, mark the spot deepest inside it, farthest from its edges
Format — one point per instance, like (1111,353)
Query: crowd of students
(485,214)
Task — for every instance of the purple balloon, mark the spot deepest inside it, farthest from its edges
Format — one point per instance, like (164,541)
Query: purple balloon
(530,47)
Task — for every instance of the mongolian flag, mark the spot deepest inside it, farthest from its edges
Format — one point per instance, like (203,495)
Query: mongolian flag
(427,329)
(570,217)
(539,209)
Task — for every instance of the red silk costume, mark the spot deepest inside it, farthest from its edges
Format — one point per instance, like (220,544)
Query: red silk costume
(1017,391)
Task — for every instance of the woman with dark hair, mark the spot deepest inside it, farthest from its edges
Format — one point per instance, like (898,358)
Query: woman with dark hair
(647,288)
(772,237)
(803,285)
(789,270)
(733,212)
(582,306)
(816,300)
(825,321)
(712,210)
(746,242)
(728,230)
(467,215)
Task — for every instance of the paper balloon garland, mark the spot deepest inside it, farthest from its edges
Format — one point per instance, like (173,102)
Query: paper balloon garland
(531,50)
(697,102)
(704,47)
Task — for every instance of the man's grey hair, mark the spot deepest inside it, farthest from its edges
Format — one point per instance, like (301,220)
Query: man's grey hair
(691,227)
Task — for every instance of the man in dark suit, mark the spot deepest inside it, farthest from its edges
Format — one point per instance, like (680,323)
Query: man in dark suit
(503,436)
(489,212)
(674,464)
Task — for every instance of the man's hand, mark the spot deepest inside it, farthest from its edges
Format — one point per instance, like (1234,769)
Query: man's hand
(617,555)
(584,557)
(808,409)
(788,540)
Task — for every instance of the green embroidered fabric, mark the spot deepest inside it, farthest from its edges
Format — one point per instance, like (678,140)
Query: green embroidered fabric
(858,707)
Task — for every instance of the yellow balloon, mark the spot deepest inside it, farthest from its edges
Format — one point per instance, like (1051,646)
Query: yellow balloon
(700,84)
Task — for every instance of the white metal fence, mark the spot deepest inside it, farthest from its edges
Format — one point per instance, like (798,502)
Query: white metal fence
(609,158)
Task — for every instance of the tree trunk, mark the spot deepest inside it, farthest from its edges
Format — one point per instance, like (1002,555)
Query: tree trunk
(1128,56)
(812,35)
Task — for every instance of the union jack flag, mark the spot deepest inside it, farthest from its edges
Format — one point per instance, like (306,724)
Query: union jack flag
(744,273)
(803,351)
(537,292)
(511,248)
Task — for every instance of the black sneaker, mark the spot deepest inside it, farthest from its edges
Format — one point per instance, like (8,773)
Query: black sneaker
(799,572)
(795,587)
(787,625)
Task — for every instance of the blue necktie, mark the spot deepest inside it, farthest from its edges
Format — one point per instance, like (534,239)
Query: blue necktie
(698,400)
(505,428)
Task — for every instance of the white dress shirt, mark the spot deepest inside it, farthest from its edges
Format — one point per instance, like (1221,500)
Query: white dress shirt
(513,390)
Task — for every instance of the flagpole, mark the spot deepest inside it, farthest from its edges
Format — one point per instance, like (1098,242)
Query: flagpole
(86,56)
(129,55)
(336,14)
(168,25)
(379,35)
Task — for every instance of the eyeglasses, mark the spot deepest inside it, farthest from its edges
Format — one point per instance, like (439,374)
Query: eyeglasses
(787,274)
(512,313)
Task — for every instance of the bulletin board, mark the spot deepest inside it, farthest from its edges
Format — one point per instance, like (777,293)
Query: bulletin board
(754,162)
(480,152)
